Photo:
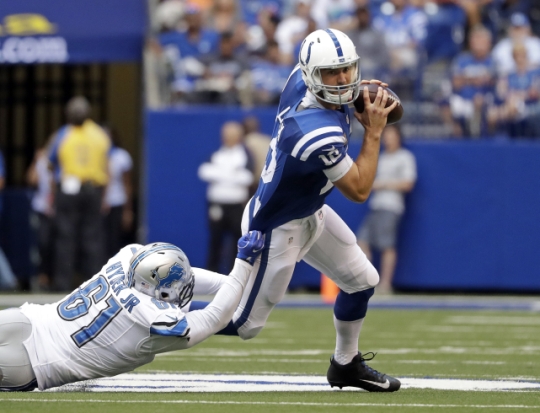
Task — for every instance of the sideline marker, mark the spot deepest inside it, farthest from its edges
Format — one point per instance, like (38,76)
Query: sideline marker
(329,290)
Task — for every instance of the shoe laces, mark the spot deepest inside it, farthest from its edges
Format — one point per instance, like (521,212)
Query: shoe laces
(367,357)
(369,354)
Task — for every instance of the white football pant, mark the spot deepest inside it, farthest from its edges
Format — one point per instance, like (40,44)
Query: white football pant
(322,240)
(15,367)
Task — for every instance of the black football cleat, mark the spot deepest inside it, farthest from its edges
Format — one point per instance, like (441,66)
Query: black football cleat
(358,374)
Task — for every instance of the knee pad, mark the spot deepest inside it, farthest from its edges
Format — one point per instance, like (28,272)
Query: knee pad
(351,307)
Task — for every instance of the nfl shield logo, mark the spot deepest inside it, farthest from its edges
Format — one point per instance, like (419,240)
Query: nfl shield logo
(320,215)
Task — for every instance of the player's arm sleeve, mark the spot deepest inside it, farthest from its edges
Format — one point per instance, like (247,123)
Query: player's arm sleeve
(324,147)
(208,321)
(207,282)
(338,171)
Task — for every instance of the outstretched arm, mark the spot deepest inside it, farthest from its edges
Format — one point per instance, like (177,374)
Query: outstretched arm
(214,317)
(208,321)
(207,282)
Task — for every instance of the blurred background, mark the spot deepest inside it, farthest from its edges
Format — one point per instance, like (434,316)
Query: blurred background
(171,82)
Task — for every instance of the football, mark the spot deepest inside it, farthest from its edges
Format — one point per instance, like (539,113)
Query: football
(393,116)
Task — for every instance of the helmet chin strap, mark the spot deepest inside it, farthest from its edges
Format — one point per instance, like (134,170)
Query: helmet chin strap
(339,99)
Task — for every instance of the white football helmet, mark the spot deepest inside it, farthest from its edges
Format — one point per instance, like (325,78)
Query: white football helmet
(162,271)
(329,49)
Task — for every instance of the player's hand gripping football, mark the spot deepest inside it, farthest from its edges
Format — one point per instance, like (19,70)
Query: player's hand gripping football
(374,115)
(250,246)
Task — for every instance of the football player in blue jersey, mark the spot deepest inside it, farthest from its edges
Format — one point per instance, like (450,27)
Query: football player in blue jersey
(307,159)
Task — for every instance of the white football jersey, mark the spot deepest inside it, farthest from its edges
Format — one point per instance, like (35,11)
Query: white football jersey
(101,329)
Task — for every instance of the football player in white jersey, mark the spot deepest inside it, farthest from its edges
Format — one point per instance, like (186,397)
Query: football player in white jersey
(121,318)
(307,159)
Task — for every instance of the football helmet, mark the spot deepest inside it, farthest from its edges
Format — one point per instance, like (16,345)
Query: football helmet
(162,270)
(329,49)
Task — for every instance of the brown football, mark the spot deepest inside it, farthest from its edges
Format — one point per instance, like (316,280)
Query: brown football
(393,116)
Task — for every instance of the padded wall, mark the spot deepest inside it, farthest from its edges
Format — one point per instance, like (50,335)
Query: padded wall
(472,223)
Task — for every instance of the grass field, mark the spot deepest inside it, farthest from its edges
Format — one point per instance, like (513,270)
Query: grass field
(452,344)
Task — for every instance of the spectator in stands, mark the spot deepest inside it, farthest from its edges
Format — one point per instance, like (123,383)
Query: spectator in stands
(258,35)
(229,174)
(396,176)
(291,30)
(370,46)
(227,78)
(445,30)
(337,14)
(184,50)
(224,16)
(519,31)
(8,280)
(519,97)
(252,9)
(404,29)
(473,84)
(118,196)
(203,5)
(269,76)
(39,176)
(79,155)
(167,16)
(496,14)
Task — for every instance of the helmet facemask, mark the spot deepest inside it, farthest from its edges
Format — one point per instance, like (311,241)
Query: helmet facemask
(176,294)
(162,271)
(337,95)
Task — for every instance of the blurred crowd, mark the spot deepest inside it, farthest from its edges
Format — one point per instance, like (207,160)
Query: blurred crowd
(82,203)
(477,60)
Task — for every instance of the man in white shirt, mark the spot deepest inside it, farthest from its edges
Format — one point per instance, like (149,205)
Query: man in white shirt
(229,176)
(396,175)
(134,308)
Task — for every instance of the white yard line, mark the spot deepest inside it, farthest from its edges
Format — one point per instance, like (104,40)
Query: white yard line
(204,383)
(484,350)
(496,320)
(248,360)
(234,402)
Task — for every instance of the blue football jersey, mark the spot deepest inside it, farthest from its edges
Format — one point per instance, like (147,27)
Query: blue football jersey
(305,143)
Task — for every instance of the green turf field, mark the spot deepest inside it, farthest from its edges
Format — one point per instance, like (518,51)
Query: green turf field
(455,344)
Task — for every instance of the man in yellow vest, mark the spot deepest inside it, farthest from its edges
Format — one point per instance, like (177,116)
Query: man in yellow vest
(79,156)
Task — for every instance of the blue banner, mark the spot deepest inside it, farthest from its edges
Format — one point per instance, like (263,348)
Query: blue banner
(71,31)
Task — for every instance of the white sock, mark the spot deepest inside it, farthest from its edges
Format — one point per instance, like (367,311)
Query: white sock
(347,334)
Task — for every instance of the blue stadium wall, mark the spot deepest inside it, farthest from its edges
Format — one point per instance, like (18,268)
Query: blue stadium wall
(472,221)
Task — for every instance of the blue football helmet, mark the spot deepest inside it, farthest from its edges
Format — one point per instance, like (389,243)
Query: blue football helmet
(162,270)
